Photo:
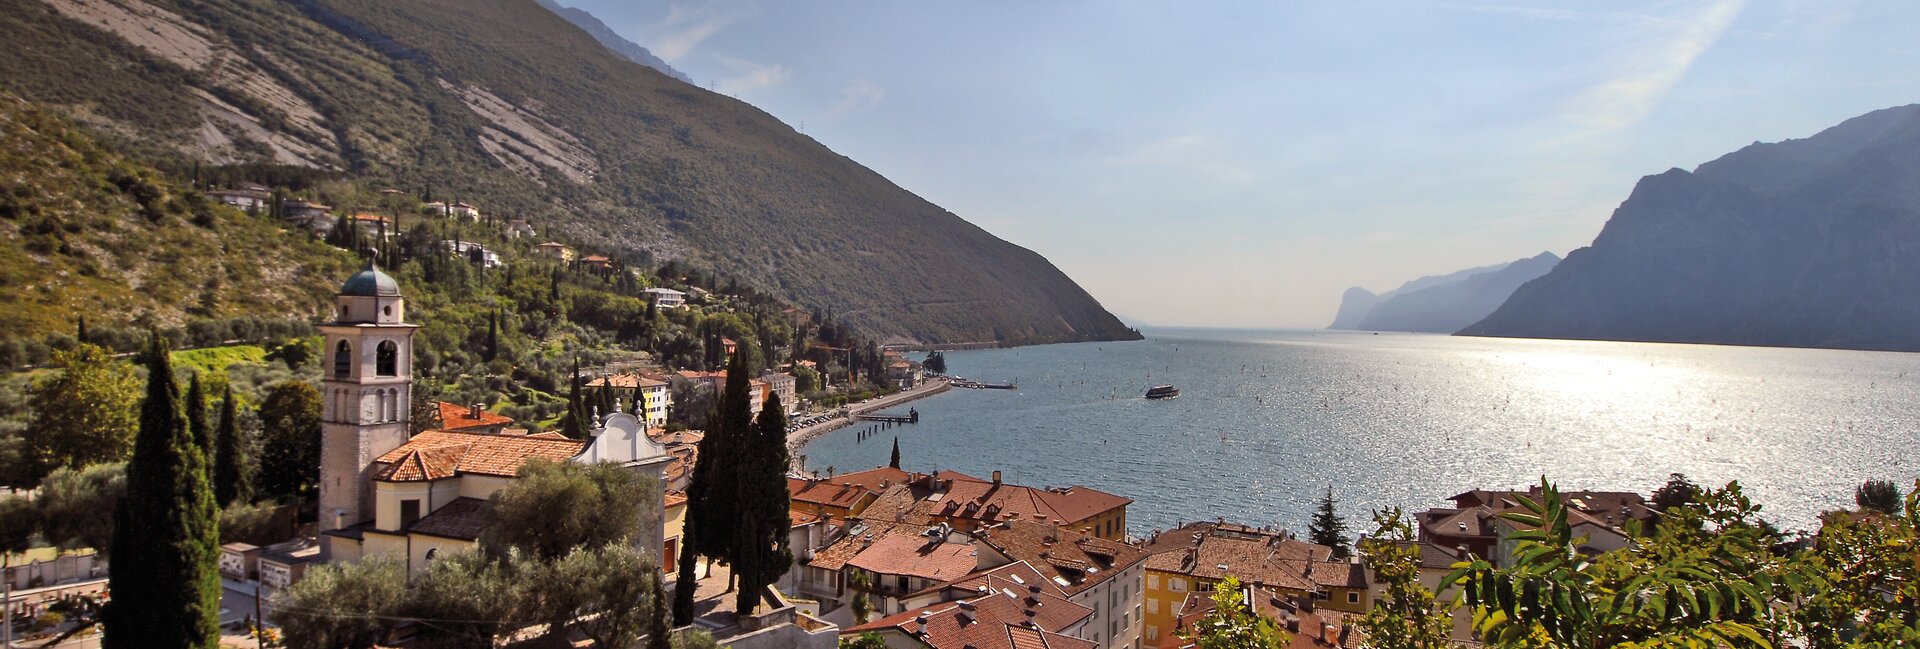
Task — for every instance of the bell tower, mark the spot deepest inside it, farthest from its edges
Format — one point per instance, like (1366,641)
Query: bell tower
(365,390)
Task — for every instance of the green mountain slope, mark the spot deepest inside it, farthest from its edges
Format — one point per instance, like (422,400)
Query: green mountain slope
(504,104)
(86,232)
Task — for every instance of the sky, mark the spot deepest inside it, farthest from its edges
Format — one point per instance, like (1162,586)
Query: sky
(1230,164)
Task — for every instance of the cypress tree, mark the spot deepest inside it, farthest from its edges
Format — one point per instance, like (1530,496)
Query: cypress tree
(1327,528)
(659,630)
(711,494)
(683,584)
(640,404)
(166,589)
(493,336)
(573,424)
(895,462)
(80,331)
(230,482)
(761,552)
(197,416)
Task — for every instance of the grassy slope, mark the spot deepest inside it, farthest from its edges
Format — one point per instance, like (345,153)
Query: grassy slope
(86,232)
(683,172)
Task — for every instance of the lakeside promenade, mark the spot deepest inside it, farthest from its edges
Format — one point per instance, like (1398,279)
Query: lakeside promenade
(798,439)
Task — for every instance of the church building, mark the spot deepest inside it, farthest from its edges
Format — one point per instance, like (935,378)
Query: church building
(383,493)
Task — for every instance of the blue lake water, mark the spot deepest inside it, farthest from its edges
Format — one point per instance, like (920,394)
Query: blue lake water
(1267,420)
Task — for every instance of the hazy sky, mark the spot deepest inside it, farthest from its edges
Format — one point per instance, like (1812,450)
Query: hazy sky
(1241,164)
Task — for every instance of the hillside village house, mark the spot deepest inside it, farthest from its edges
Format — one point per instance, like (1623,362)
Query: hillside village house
(315,217)
(596,262)
(461,211)
(250,197)
(520,228)
(473,252)
(383,494)
(666,298)
(556,251)
(782,385)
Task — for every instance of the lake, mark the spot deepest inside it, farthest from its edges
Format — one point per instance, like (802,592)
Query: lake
(1268,420)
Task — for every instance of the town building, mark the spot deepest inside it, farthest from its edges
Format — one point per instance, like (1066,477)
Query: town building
(1474,525)
(1195,557)
(520,228)
(969,503)
(658,399)
(782,385)
(473,252)
(385,494)
(250,197)
(1306,626)
(471,419)
(1002,615)
(556,251)
(666,298)
(596,262)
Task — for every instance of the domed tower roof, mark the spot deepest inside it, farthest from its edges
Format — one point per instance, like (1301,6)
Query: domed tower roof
(370,283)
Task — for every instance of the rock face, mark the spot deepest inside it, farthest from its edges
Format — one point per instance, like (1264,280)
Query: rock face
(1439,303)
(1803,243)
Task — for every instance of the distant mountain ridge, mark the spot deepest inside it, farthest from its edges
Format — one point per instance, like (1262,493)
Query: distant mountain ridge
(1803,243)
(592,25)
(1439,303)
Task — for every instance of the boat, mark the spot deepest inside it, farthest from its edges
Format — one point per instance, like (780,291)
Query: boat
(1162,392)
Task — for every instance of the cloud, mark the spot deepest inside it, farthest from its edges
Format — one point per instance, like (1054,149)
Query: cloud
(684,29)
(750,76)
(1643,59)
(857,96)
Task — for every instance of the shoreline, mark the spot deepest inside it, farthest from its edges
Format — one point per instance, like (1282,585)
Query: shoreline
(798,440)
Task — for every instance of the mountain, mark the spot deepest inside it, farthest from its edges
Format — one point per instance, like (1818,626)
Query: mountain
(506,105)
(1452,306)
(88,233)
(1357,304)
(1803,243)
(613,41)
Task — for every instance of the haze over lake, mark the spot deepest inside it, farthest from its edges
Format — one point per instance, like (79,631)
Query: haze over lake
(1267,420)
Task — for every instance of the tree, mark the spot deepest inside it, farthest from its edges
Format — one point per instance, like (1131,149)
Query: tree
(1867,587)
(862,603)
(341,605)
(290,441)
(868,640)
(660,620)
(761,534)
(19,519)
(230,480)
(711,493)
(196,405)
(1878,496)
(1408,615)
(256,524)
(1232,624)
(575,506)
(470,599)
(1702,580)
(684,582)
(620,605)
(1327,528)
(574,423)
(1676,492)
(895,461)
(165,585)
(76,506)
(83,414)
(492,349)
(936,363)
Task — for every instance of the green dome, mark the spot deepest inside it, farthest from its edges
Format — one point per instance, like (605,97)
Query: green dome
(370,283)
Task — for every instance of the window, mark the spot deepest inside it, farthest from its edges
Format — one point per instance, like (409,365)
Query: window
(342,360)
(1153,632)
(387,358)
(1153,581)
(409,513)
(903,583)
(1178,585)
(1153,606)
(1353,598)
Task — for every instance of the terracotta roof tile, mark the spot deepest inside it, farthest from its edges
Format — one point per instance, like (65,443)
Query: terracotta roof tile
(474,453)
(902,553)
(1076,561)
(991,621)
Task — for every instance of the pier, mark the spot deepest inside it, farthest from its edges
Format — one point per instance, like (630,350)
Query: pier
(912,417)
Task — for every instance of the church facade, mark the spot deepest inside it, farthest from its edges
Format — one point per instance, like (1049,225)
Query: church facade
(384,493)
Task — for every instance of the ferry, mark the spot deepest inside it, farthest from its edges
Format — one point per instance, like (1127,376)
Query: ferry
(1162,392)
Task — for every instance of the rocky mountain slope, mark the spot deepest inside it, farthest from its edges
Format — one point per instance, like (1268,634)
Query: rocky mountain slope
(1438,303)
(1807,243)
(504,104)
(87,233)
(632,51)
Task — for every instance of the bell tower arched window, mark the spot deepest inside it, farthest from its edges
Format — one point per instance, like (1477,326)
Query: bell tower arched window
(342,360)
(387,358)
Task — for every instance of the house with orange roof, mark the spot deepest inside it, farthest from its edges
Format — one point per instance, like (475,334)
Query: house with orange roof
(597,262)
(1196,556)
(994,619)
(471,419)
(556,251)
(969,503)
(1307,626)
(654,391)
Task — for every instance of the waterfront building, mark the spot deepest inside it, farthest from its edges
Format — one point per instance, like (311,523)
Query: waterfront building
(1194,558)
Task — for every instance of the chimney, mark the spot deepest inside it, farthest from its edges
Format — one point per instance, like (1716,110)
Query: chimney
(996,477)
(473,411)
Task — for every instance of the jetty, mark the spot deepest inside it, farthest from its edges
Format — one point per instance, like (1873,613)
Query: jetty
(977,385)
(912,417)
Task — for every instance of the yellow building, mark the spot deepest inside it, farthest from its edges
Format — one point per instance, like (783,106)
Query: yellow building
(1196,557)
